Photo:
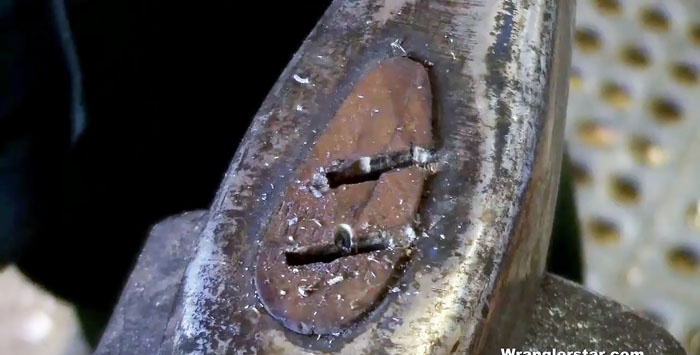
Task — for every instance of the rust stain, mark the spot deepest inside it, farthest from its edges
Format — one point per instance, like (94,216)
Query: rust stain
(389,110)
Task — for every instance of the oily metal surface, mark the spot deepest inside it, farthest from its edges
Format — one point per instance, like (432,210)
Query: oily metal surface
(388,111)
(499,90)
(633,133)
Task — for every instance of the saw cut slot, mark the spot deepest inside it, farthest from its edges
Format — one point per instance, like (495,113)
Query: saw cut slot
(370,168)
(326,254)
(346,243)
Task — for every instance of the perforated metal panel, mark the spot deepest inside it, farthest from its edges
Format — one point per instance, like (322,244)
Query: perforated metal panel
(633,134)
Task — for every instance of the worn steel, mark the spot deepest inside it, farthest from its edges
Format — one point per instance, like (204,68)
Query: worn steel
(569,318)
(499,82)
(141,317)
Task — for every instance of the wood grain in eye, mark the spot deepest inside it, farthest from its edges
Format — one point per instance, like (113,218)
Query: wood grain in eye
(388,110)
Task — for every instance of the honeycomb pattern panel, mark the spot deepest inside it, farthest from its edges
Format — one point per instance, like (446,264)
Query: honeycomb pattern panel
(633,134)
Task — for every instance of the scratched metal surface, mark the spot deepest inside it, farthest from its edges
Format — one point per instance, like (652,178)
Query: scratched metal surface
(500,85)
(141,317)
(633,132)
(570,318)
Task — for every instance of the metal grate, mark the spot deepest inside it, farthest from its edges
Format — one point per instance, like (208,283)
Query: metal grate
(633,134)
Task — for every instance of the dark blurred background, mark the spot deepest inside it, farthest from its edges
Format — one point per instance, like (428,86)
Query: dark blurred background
(169,90)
